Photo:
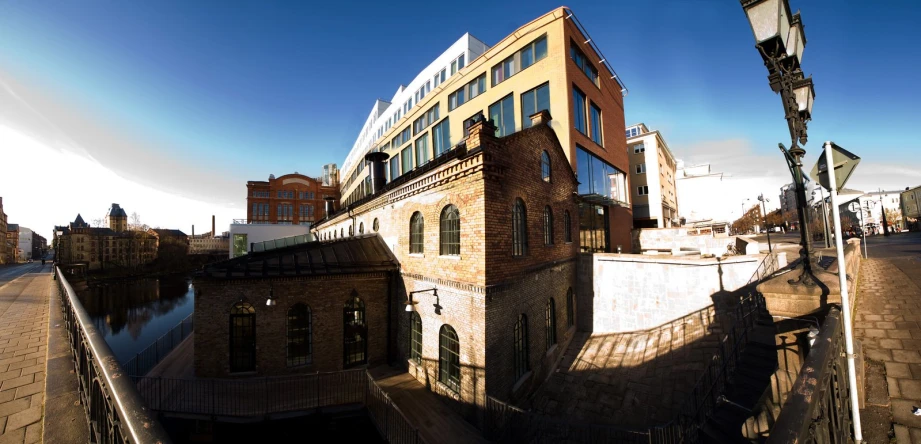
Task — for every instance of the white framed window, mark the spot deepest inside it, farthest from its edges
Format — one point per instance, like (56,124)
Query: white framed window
(642,190)
(639,148)
(641,168)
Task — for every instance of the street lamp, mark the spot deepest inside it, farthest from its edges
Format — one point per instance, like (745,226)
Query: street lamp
(780,40)
(764,220)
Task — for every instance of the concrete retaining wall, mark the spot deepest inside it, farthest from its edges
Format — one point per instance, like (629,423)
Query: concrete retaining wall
(633,292)
(678,239)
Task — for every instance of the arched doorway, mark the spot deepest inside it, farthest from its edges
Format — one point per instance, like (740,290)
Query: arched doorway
(242,338)
(355,334)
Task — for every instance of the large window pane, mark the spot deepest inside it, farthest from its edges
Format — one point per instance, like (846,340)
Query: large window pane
(540,48)
(578,104)
(533,101)
(406,156)
(527,57)
(394,167)
(596,124)
(441,140)
(422,150)
(598,176)
(583,171)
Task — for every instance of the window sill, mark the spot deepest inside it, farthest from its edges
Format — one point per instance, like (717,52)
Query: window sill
(450,257)
(552,349)
(448,390)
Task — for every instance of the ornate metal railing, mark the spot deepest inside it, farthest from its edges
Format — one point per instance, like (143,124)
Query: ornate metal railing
(148,358)
(115,412)
(721,369)
(818,407)
(262,397)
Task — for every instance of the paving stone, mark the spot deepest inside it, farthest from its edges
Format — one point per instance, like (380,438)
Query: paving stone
(898,370)
(911,356)
(14,436)
(12,407)
(33,433)
(901,434)
(893,344)
(910,388)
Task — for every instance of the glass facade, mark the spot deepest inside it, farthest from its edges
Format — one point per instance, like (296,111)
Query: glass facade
(533,101)
(502,113)
(441,138)
(578,104)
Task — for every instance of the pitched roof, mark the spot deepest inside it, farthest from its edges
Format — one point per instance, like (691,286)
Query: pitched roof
(168,232)
(359,254)
(79,220)
(117,211)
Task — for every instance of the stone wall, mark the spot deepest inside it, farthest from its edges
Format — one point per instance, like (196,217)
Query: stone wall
(678,239)
(634,292)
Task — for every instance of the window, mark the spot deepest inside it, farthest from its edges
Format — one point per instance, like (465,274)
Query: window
(457,64)
(376,225)
(422,150)
(550,326)
(599,177)
(545,166)
(641,168)
(440,77)
(441,138)
(450,231)
(406,157)
(416,238)
(522,365)
(642,190)
(596,124)
(449,358)
(578,99)
(534,101)
(632,132)
(582,62)
(502,113)
(242,337)
(570,309)
(639,148)
(548,226)
(467,92)
(519,229)
(527,56)
(469,122)
(395,167)
(415,339)
(427,118)
(355,332)
(299,335)
(567,227)
(240,247)
(342,232)
(361,228)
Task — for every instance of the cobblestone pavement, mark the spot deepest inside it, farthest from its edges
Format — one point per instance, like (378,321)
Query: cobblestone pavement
(635,379)
(888,324)
(23,339)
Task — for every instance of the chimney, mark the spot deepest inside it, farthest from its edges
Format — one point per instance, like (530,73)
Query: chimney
(540,117)
(481,133)
(330,209)
(193,230)
(213,233)
(378,177)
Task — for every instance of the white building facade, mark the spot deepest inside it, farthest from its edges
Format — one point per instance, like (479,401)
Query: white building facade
(653,172)
(25,243)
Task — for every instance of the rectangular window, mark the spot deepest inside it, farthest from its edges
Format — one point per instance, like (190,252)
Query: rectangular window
(422,150)
(599,177)
(406,158)
(639,148)
(394,167)
(468,123)
(425,120)
(534,101)
(502,113)
(596,124)
(467,92)
(578,103)
(642,190)
(641,168)
(582,62)
(440,77)
(532,53)
(441,138)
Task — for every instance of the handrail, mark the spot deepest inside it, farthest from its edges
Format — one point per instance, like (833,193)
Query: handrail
(115,411)
(769,262)
(819,402)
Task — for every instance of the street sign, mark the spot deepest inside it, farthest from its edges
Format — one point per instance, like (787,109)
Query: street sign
(854,207)
(845,162)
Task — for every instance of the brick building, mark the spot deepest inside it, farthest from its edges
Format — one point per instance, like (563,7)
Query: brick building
(104,247)
(3,247)
(12,243)
(292,199)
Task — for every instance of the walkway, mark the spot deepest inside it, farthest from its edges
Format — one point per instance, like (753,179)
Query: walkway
(888,324)
(23,343)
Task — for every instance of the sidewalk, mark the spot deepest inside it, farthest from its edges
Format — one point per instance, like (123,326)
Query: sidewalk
(888,324)
(23,341)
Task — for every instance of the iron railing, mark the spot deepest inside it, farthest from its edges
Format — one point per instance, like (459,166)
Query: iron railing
(115,412)
(264,397)
(818,407)
(148,358)
(767,267)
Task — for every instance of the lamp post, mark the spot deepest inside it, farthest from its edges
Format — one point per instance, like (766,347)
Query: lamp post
(780,40)
(764,220)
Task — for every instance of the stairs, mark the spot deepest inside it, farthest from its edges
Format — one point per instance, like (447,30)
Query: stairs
(746,403)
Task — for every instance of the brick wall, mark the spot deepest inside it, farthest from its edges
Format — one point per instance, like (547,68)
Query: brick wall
(325,296)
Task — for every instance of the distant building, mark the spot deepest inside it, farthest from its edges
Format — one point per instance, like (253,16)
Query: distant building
(39,246)
(117,219)
(244,237)
(25,243)
(653,170)
(3,247)
(911,208)
(292,199)
(101,248)
(698,189)
(208,244)
(170,241)
(891,203)
(330,175)
(12,243)
(788,206)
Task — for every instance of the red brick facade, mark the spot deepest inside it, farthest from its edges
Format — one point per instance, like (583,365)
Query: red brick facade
(293,191)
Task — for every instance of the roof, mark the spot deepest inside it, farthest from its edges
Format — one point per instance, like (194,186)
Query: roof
(168,232)
(12,227)
(359,254)
(117,211)
(79,220)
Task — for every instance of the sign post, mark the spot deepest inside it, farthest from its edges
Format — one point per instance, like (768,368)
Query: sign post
(842,280)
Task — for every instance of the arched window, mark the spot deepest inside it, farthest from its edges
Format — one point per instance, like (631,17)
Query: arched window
(548,226)
(342,232)
(361,228)
(415,338)
(545,166)
(521,346)
(376,225)
(449,358)
(519,229)
(355,334)
(567,227)
(450,231)
(551,323)
(416,238)
(242,337)
(300,340)
(570,308)
(351,230)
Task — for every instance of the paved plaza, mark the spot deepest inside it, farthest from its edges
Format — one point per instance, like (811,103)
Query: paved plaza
(23,343)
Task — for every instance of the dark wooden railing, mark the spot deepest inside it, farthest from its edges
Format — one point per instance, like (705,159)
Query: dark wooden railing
(818,407)
(115,412)
(148,358)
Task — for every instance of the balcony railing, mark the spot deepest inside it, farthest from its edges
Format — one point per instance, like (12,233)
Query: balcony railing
(115,411)
(818,409)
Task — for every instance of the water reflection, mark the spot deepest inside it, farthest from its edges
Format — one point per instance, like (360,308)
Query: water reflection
(131,315)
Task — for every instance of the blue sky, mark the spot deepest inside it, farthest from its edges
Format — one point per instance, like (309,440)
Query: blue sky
(195,98)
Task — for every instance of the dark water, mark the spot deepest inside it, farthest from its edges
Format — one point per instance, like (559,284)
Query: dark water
(131,315)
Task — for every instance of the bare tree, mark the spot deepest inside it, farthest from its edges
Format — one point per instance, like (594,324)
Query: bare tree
(136,224)
(99,222)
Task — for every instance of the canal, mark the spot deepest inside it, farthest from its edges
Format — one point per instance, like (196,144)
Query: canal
(131,315)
